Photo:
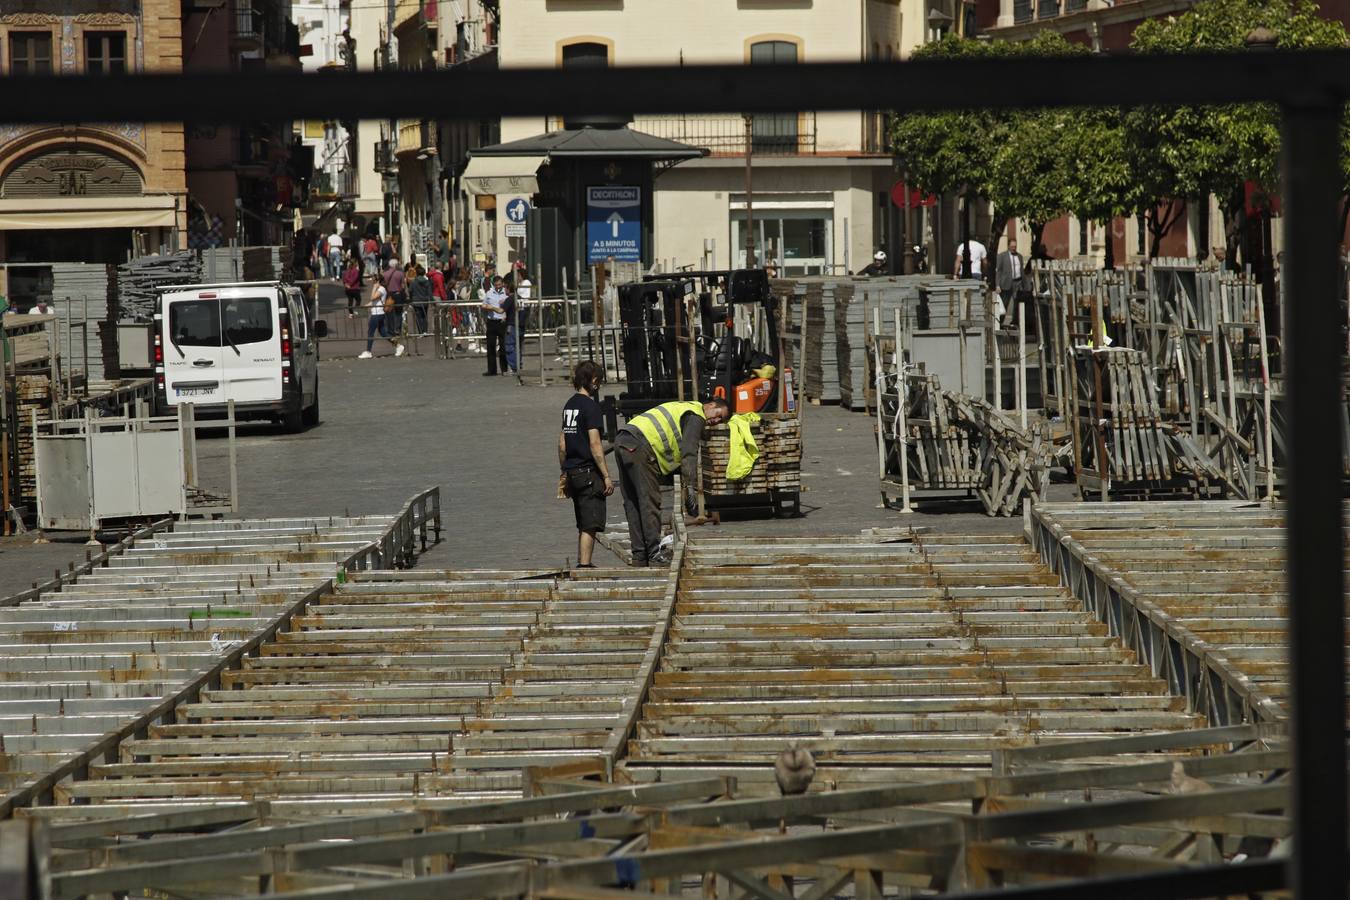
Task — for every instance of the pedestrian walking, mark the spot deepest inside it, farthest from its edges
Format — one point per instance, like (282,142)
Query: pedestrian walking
(650,449)
(978,254)
(516,314)
(585,476)
(440,254)
(334,255)
(494,311)
(395,282)
(351,283)
(438,292)
(1010,277)
(420,296)
(380,303)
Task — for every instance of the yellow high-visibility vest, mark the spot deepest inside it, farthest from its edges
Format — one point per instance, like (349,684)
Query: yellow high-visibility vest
(660,425)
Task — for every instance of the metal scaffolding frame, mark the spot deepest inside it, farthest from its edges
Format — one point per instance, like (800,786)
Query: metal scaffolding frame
(1310,89)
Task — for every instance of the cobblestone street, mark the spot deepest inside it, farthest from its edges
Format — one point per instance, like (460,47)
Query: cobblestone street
(392,427)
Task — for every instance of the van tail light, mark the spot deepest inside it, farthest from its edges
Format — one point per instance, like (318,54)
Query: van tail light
(287,349)
(158,353)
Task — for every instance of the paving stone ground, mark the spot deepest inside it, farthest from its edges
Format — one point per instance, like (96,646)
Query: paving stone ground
(391,427)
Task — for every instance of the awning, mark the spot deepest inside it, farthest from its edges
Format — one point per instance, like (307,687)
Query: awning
(502,174)
(100,212)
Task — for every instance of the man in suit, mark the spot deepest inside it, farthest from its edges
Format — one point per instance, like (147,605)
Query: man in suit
(1010,276)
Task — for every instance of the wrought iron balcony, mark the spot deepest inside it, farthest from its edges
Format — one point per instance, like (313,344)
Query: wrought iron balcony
(771,134)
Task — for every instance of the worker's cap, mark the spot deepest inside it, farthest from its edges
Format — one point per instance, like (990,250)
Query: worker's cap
(879,256)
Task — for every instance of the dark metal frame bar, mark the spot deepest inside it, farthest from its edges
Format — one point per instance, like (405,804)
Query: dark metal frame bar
(1310,88)
(1209,684)
(1313,78)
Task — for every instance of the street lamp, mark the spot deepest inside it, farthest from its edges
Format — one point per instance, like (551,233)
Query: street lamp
(938,23)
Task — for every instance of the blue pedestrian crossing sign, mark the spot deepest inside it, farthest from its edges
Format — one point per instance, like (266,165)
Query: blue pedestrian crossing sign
(613,223)
(517,210)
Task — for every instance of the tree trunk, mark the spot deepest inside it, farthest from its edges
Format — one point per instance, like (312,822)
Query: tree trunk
(1038,240)
(1109,263)
(1234,225)
(1000,225)
(1345,217)
(1159,224)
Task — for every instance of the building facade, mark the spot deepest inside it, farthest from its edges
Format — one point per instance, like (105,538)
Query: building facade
(245,180)
(820,181)
(323,135)
(90,192)
(370,160)
(426,155)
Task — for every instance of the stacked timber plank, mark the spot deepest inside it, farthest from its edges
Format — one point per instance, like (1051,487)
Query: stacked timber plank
(84,302)
(32,396)
(78,663)
(138,280)
(955,442)
(890,662)
(839,313)
(778,467)
(233,263)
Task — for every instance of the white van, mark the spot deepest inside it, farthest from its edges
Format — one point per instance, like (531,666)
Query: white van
(253,343)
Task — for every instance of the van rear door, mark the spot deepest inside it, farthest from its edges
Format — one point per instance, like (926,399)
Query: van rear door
(251,346)
(193,371)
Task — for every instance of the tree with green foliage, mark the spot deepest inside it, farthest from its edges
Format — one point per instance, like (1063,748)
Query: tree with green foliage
(1196,151)
(1031,175)
(1004,157)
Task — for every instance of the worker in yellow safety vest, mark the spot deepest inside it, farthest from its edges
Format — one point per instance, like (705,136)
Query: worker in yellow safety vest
(649,450)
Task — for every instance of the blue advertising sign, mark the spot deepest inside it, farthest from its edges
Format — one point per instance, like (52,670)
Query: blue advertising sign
(517,210)
(613,224)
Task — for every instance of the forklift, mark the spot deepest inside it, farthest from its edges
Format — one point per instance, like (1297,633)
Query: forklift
(695,336)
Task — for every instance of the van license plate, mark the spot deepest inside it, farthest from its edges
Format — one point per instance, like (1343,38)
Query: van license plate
(194,392)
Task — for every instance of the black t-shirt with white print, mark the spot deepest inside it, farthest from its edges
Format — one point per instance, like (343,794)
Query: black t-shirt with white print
(579,416)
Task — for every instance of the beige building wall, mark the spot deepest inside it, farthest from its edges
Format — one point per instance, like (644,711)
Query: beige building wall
(841,165)
(367,27)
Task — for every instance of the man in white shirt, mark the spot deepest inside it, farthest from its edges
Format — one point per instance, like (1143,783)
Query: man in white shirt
(977,257)
(494,311)
(335,255)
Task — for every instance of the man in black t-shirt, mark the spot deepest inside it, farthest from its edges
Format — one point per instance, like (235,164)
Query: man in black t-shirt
(582,459)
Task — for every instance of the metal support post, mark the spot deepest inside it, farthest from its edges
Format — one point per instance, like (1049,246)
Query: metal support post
(902,416)
(1313,533)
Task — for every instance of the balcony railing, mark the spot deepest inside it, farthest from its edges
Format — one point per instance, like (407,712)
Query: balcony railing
(348,182)
(384,156)
(248,26)
(772,134)
(415,135)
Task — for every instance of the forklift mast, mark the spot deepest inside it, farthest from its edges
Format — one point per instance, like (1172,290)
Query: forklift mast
(661,349)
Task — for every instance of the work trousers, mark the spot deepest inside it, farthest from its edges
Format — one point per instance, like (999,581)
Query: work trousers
(640,484)
(496,345)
